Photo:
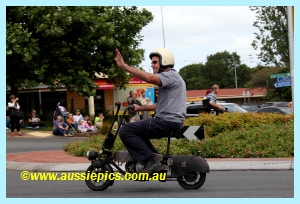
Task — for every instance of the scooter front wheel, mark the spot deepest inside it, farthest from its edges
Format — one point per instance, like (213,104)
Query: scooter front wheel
(94,177)
(193,180)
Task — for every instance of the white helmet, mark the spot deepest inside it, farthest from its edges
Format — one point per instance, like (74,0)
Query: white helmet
(165,56)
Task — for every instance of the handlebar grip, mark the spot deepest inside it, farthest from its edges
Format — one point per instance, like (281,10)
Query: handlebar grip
(130,107)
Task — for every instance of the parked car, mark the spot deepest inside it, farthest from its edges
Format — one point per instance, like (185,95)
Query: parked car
(275,109)
(279,104)
(250,107)
(196,108)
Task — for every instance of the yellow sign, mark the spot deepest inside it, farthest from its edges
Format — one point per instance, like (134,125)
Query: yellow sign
(137,87)
(191,99)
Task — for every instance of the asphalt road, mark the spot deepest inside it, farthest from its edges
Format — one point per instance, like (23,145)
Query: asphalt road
(22,144)
(219,184)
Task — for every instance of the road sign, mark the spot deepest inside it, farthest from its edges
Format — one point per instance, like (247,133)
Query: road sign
(273,76)
(282,84)
(283,79)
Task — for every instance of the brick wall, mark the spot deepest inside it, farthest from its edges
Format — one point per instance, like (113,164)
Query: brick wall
(108,98)
(78,101)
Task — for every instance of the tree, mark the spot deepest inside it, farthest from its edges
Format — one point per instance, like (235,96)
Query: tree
(272,38)
(273,42)
(67,46)
(220,69)
(192,76)
(261,78)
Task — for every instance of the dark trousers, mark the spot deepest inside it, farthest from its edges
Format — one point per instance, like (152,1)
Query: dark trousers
(15,123)
(59,131)
(219,111)
(34,124)
(136,136)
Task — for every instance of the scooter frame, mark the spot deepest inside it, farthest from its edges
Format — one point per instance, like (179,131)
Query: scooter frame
(185,167)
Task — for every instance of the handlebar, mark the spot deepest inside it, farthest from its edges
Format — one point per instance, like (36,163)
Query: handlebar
(130,107)
(118,104)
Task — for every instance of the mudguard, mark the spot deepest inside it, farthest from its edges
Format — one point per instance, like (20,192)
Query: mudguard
(97,163)
(184,164)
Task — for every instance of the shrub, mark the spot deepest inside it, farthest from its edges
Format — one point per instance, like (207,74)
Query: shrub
(227,136)
(234,121)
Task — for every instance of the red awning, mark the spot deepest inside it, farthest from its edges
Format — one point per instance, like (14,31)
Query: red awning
(103,84)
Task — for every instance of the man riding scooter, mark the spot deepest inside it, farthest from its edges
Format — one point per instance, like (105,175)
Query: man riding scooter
(170,109)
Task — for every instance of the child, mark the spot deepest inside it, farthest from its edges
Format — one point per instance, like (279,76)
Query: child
(89,126)
(71,121)
(81,127)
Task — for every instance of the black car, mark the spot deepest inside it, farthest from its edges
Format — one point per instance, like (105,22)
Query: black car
(275,109)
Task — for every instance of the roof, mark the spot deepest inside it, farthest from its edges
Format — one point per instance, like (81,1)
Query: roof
(230,93)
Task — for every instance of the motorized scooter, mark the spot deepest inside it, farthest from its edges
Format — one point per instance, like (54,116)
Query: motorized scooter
(188,170)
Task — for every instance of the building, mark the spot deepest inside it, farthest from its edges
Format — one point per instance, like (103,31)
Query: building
(45,101)
(239,96)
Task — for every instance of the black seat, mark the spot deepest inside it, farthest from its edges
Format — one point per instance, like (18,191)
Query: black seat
(175,133)
(206,106)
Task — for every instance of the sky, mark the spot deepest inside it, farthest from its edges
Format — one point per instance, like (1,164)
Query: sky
(193,33)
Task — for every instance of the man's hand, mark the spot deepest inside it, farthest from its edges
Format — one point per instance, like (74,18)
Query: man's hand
(119,60)
(221,107)
(136,108)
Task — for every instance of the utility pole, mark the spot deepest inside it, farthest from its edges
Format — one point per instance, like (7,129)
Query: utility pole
(162,21)
(291,46)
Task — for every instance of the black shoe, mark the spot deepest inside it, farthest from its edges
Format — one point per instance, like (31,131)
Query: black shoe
(153,164)
(139,167)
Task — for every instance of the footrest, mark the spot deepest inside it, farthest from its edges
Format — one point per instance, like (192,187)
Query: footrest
(165,167)
(159,157)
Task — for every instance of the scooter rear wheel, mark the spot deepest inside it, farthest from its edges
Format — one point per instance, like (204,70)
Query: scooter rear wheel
(95,184)
(193,180)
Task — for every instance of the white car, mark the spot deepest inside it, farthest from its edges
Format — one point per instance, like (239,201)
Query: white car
(194,109)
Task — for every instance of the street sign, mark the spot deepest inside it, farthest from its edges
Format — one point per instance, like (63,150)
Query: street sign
(283,79)
(283,84)
(273,76)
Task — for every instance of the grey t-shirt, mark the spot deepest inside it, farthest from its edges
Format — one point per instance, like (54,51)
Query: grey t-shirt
(171,101)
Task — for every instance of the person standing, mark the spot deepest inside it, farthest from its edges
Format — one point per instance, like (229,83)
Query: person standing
(135,113)
(130,97)
(145,102)
(170,109)
(13,106)
(213,99)
(7,118)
